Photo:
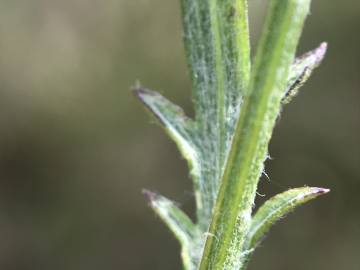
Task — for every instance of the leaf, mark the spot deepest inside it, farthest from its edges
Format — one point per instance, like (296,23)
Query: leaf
(273,210)
(179,127)
(276,208)
(301,70)
(179,223)
(171,116)
(232,212)
(216,36)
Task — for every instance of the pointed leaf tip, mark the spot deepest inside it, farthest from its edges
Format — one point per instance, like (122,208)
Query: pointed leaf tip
(141,91)
(169,114)
(321,191)
(176,220)
(301,70)
(149,195)
(313,58)
(321,51)
(177,125)
(276,208)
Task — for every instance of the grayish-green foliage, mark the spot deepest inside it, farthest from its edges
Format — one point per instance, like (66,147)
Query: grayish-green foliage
(236,107)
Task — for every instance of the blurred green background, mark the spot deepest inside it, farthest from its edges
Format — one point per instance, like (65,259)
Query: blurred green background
(76,148)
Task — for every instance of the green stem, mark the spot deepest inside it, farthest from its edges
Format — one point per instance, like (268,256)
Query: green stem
(232,211)
(216,36)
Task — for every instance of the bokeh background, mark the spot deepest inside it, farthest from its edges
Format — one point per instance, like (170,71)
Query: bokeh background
(76,148)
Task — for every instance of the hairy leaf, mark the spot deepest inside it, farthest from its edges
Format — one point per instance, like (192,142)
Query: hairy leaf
(272,211)
(216,37)
(179,223)
(301,70)
(172,117)
(276,208)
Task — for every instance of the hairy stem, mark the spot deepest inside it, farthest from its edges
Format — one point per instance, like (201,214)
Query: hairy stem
(232,212)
